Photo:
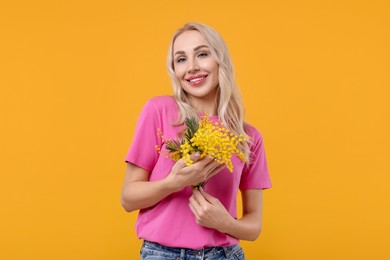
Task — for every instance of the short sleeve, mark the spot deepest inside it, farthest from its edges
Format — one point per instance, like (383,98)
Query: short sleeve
(142,151)
(256,175)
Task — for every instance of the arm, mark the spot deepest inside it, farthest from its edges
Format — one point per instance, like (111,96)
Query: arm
(139,193)
(210,212)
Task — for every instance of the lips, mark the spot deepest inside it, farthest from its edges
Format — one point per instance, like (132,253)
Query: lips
(197,79)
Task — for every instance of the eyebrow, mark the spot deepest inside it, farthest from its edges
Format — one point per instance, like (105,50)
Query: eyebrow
(195,49)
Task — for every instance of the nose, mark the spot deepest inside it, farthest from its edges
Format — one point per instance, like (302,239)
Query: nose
(193,66)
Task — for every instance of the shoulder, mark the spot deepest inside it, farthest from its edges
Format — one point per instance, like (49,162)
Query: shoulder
(162,102)
(162,108)
(253,133)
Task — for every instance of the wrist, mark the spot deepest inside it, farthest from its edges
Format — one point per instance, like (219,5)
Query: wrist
(171,184)
(227,224)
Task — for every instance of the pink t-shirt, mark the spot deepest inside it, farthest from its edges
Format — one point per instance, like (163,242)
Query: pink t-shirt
(171,222)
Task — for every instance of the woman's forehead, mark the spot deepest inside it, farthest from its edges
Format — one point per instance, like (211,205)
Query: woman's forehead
(189,40)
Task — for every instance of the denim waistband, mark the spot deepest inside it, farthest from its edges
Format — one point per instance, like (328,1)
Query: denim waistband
(218,250)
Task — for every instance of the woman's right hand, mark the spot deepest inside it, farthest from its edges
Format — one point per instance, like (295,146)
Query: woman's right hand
(139,193)
(201,170)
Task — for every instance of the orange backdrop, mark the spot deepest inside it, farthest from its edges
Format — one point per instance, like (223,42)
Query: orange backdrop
(74,76)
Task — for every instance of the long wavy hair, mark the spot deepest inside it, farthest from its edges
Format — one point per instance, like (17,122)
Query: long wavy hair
(230,107)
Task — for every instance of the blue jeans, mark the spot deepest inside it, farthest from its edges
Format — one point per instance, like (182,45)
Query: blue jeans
(154,251)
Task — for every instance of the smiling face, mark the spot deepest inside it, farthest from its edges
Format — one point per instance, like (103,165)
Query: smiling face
(195,67)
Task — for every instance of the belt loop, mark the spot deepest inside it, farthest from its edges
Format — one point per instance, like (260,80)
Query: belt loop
(182,253)
(142,247)
(227,251)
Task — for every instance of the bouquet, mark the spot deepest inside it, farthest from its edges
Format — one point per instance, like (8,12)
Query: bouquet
(207,138)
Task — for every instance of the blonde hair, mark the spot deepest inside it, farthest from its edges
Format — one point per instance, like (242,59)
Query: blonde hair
(229,103)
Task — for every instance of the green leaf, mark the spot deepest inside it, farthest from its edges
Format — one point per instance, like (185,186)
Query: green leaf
(173,145)
(192,126)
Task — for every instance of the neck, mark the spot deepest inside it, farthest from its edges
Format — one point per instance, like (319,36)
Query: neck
(205,104)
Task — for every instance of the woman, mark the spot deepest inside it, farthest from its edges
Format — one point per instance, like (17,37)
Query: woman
(176,221)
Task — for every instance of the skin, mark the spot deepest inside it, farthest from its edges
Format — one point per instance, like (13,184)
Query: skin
(139,193)
(192,59)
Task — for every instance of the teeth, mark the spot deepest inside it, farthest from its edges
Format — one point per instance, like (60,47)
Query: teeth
(196,79)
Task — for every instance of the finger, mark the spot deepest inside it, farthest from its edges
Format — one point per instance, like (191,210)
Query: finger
(210,166)
(194,205)
(207,196)
(180,164)
(205,161)
(193,200)
(194,211)
(211,169)
(198,197)
(195,157)
(216,170)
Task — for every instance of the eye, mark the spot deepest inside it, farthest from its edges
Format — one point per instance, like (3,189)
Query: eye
(203,54)
(181,59)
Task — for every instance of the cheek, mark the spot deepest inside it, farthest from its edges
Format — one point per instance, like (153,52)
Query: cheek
(215,70)
(216,76)
(179,73)
(212,66)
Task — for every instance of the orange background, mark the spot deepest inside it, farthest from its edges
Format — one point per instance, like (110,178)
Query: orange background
(74,76)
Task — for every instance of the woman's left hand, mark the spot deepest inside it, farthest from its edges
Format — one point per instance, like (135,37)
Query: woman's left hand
(209,211)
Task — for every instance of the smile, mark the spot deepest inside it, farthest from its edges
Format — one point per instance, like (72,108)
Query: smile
(197,80)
